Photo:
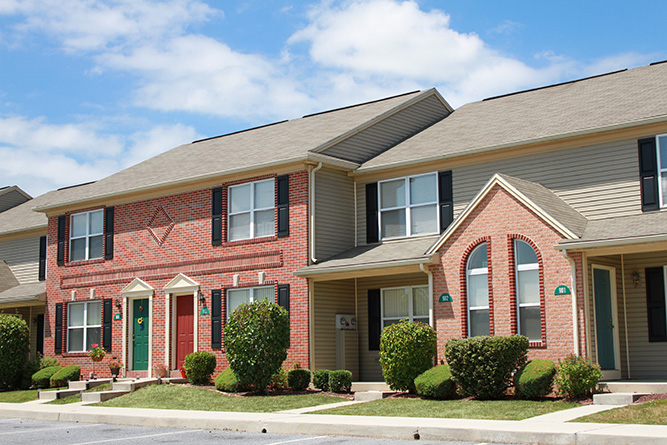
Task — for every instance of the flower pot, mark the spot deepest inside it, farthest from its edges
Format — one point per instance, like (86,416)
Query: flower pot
(114,371)
(183,374)
(160,372)
(97,359)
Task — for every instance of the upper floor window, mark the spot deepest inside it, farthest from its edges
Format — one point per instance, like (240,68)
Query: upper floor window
(662,167)
(86,235)
(84,323)
(477,280)
(528,290)
(408,206)
(252,210)
(405,303)
(248,295)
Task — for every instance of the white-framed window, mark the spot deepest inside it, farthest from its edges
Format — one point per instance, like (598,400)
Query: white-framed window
(477,280)
(251,210)
(661,146)
(398,303)
(527,278)
(84,324)
(408,206)
(248,295)
(86,235)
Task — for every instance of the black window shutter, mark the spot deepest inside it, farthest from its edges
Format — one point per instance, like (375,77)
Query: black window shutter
(216,318)
(372,235)
(106,323)
(58,344)
(216,217)
(446,197)
(655,304)
(374,319)
(108,233)
(282,183)
(648,174)
(61,240)
(283,296)
(42,258)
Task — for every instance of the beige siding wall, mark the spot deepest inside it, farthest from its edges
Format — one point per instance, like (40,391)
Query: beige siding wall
(22,257)
(11,199)
(334,213)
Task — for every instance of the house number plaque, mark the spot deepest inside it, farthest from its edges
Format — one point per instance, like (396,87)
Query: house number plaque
(562,290)
(445,298)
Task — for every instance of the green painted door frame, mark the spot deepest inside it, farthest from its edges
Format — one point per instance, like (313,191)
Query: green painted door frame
(139,336)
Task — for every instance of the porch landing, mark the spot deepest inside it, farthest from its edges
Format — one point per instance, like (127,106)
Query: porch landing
(634,386)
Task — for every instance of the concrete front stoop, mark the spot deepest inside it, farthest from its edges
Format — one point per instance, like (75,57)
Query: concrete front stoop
(369,396)
(616,398)
(58,394)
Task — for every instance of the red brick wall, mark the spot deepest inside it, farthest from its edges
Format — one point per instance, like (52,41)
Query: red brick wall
(186,249)
(498,219)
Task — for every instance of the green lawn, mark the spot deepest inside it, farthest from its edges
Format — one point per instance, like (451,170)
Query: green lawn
(69,399)
(649,413)
(453,409)
(19,396)
(189,398)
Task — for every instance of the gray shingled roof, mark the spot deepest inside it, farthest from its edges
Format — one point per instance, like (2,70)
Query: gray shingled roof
(622,230)
(619,99)
(24,293)
(263,146)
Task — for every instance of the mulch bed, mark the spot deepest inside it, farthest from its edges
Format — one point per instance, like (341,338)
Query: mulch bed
(650,398)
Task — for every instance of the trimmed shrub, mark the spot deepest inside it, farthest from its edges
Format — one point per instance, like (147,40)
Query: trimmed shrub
(42,378)
(256,342)
(482,367)
(227,381)
(340,381)
(199,366)
(279,380)
(577,376)
(69,373)
(14,346)
(48,362)
(436,383)
(535,380)
(406,351)
(298,379)
(30,368)
(321,379)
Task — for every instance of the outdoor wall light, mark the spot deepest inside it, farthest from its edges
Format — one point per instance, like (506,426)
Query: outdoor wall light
(202,300)
(117,303)
(635,278)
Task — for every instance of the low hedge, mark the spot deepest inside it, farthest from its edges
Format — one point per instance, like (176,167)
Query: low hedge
(42,378)
(199,366)
(535,380)
(298,379)
(64,375)
(436,383)
(321,379)
(340,381)
(227,381)
(279,379)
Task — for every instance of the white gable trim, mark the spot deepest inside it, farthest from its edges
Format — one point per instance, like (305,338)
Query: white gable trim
(500,181)
(181,283)
(137,287)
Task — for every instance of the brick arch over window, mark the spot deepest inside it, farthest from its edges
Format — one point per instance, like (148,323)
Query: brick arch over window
(464,284)
(514,322)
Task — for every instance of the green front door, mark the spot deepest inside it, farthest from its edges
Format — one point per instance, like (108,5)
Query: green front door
(140,334)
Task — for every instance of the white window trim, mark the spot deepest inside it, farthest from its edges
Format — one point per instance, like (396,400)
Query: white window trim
(472,272)
(522,268)
(661,169)
(411,315)
(252,295)
(85,326)
(408,207)
(87,236)
(251,211)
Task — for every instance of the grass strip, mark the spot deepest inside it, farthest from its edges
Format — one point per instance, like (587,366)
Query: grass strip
(19,396)
(649,413)
(452,409)
(66,400)
(100,388)
(190,398)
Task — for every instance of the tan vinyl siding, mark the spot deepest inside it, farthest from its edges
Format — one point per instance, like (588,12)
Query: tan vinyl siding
(334,213)
(11,199)
(22,257)
(385,134)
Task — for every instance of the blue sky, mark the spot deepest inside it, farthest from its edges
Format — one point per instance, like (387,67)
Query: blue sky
(88,87)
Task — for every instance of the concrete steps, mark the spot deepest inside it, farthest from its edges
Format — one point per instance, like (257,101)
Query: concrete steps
(369,386)
(87,384)
(101,396)
(616,398)
(636,386)
(58,394)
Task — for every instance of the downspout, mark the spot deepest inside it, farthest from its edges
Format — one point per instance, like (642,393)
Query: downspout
(575,323)
(625,318)
(356,228)
(312,212)
(430,293)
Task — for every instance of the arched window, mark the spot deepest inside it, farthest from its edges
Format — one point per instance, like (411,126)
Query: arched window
(477,279)
(528,290)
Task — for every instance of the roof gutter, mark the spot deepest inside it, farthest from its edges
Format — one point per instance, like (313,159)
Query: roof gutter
(581,245)
(337,269)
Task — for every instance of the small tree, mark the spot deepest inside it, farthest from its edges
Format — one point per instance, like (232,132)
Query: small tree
(577,376)
(256,342)
(406,351)
(14,346)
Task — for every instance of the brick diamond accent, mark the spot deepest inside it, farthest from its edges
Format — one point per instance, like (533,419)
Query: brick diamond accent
(160,225)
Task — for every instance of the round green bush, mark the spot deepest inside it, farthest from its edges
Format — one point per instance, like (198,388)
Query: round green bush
(69,373)
(321,379)
(199,366)
(227,381)
(577,376)
(535,380)
(256,342)
(48,362)
(406,350)
(14,346)
(482,367)
(340,381)
(42,378)
(436,383)
(298,379)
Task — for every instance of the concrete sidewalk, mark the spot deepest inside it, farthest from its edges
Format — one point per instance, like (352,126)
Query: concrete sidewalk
(548,429)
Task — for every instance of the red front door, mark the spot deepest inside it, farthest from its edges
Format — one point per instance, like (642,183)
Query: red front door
(184,328)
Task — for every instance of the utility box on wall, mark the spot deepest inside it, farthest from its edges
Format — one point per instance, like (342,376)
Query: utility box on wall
(346,322)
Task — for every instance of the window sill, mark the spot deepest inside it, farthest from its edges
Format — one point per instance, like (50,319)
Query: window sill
(75,354)
(242,242)
(84,262)
(537,345)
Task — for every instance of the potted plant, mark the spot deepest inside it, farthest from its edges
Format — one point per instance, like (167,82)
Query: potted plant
(97,354)
(183,374)
(115,366)
(160,371)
